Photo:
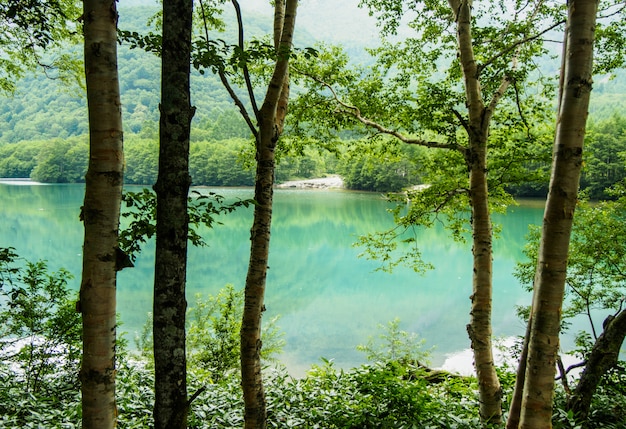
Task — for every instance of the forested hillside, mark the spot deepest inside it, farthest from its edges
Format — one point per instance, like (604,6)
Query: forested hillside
(42,108)
(43,127)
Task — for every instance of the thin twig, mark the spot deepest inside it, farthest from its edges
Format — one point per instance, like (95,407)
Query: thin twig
(226,83)
(563,376)
(246,72)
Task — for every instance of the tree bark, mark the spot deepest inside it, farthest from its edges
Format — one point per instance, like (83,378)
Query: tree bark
(479,328)
(515,408)
(270,119)
(100,214)
(603,357)
(558,218)
(172,189)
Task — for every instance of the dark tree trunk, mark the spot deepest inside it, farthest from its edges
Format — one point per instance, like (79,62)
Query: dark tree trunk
(603,357)
(100,214)
(172,189)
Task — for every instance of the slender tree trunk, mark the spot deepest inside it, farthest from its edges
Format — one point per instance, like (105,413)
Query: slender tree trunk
(479,328)
(172,189)
(558,218)
(270,120)
(515,408)
(100,214)
(603,357)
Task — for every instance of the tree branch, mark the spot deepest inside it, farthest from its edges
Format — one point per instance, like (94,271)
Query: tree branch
(284,24)
(195,395)
(225,81)
(497,96)
(462,120)
(276,87)
(237,102)
(519,107)
(563,376)
(246,71)
(355,112)
(519,43)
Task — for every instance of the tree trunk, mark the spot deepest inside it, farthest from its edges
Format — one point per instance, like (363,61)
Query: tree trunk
(100,214)
(603,357)
(479,328)
(172,189)
(270,120)
(515,408)
(558,217)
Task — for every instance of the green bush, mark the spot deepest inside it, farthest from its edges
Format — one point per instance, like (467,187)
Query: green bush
(40,342)
(213,335)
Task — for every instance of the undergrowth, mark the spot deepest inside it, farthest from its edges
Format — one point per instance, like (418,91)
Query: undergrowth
(39,363)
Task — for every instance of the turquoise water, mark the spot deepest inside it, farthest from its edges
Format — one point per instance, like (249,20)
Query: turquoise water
(329,299)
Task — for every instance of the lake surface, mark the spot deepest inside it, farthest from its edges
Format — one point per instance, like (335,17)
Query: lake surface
(329,300)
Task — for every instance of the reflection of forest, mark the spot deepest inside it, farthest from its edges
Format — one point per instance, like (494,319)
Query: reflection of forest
(329,299)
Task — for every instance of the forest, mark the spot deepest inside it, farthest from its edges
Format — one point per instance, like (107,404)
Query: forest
(475,105)
(57,153)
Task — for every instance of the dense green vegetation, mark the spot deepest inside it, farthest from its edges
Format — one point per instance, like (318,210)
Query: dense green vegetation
(39,377)
(49,122)
(383,166)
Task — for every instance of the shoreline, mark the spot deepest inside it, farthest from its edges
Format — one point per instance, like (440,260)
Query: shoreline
(330,182)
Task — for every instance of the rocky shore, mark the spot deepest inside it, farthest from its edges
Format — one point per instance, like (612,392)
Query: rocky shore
(330,182)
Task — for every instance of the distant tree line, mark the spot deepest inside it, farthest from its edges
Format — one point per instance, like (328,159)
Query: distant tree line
(381,167)
(213,163)
(604,165)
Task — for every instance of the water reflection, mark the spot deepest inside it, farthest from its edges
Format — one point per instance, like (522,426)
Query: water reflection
(329,299)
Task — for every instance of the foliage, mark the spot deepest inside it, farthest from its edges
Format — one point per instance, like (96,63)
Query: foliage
(31,31)
(395,345)
(203,209)
(380,166)
(19,160)
(40,328)
(443,200)
(44,109)
(213,335)
(605,160)
(377,396)
(61,162)
(391,393)
(608,407)
(40,343)
(595,287)
(51,161)
(415,92)
(595,278)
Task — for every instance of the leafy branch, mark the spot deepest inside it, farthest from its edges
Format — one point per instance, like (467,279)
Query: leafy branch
(203,209)
(354,111)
